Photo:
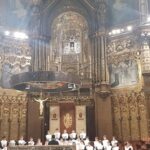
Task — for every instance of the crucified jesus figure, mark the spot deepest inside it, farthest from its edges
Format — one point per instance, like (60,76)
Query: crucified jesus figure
(41,103)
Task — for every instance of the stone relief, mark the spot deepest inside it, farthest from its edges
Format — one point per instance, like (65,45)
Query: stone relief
(12,115)
(129,112)
(123,74)
(15,58)
(120,46)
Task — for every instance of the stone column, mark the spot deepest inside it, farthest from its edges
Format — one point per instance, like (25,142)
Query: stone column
(39,42)
(143,5)
(103,106)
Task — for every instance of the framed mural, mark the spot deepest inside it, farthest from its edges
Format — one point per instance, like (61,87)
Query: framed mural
(124,74)
(123,11)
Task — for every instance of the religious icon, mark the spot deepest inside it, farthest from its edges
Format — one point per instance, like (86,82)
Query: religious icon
(67,120)
(41,103)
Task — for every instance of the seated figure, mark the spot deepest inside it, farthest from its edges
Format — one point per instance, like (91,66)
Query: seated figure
(89,147)
(3,143)
(39,143)
(57,134)
(97,144)
(114,144)
(65,135)
(31,142)
(105,142)
(53,141)
(12,143)
(82,135)
(48,136)
(21,141)
(73,135)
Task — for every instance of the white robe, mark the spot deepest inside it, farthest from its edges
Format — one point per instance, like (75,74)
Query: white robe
(57,135)
(98,145)
(89,147)
(105,143)
(48,137)
(82,135)
(31,143)
(21,142)
(12,143)
(73,135)
(4,144)
(65,136)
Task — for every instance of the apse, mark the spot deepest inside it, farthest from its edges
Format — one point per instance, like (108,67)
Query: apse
(60,63)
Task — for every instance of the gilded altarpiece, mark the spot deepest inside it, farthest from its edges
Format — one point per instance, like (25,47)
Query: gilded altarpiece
(70,45)
(129,114)
(128,102)
(12,114)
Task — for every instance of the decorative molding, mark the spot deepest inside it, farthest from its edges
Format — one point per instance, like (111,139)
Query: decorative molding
(130,116)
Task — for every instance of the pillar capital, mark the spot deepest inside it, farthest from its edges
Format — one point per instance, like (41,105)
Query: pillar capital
(103,89)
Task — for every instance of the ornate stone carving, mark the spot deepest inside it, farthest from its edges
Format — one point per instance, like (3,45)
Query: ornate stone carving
(12,115)
(103,90)
(86,100)
(129,115)
(15,58)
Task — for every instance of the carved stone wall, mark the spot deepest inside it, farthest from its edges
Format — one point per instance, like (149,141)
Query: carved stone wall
(15,58)
(129,104)
(129,115)
(12,114)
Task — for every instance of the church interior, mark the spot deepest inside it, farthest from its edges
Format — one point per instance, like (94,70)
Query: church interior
(75,65)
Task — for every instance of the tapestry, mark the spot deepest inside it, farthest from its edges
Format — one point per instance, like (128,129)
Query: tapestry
(54,119)
(67,117)
(80,118)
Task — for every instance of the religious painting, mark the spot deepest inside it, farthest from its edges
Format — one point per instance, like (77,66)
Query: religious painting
(124,74)
(67,120)
(67,117)
(123,11)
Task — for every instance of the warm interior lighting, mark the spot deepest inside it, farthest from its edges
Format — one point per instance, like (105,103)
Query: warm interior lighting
(20,35)
(129,28)
(148,19)
(6,33)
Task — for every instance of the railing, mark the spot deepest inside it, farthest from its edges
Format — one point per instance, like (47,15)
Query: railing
(49,147)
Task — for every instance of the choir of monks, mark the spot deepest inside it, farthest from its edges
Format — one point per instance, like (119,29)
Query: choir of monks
(81,141)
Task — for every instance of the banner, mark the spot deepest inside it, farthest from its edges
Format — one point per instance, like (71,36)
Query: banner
(67,117)
(54,119)
(80,119)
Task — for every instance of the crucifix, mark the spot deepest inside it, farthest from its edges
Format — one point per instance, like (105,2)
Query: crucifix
(41,103)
